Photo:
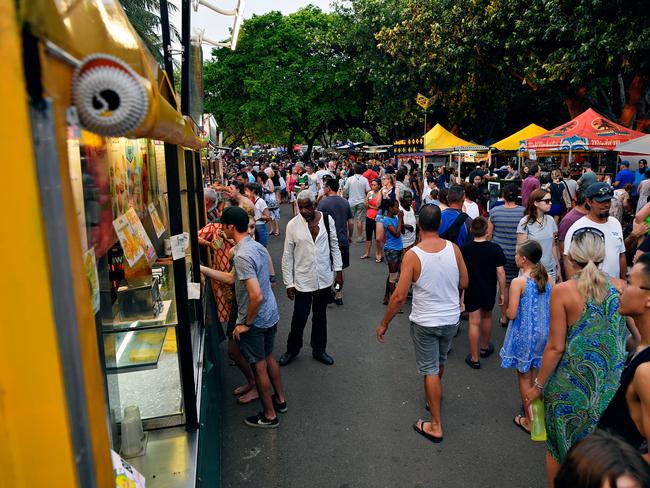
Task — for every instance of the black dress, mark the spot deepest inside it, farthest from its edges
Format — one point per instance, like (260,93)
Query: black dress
(616,417)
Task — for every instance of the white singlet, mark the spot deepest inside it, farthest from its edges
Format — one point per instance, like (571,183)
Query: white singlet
(436,299)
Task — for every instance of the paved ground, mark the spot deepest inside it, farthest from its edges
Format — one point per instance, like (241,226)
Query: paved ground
(349,425)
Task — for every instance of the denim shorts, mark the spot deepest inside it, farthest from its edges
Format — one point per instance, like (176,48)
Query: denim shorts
(393,257)
(431,346)
(256,344)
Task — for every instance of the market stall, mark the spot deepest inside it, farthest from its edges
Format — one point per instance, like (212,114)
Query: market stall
(440,141)
(588,132)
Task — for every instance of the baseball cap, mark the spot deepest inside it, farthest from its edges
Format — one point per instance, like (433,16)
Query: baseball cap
(236,216)
(601,192)
(625,163)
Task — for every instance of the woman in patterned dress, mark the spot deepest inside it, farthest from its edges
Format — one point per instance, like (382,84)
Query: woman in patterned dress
(268,191)
(585,354)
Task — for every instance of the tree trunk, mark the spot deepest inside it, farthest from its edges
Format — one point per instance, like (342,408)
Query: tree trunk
(290,142)
(310,147)
(634,92)
(573,101)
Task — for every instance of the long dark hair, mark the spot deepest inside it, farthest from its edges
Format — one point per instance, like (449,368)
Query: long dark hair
(601,457)
(532,251)
(531,209)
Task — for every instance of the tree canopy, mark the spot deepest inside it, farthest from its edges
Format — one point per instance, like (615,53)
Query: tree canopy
(490,66)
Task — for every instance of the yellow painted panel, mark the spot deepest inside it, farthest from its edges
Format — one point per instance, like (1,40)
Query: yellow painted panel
(35,450)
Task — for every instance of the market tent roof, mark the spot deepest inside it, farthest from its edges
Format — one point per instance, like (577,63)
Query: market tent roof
(440,139)
(635,146)
(511,143)
(589,131)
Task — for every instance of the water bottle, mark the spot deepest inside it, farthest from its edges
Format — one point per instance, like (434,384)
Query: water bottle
(538,429)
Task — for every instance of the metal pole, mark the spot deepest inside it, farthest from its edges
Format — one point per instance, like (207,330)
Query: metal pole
(164,27)
(186,59)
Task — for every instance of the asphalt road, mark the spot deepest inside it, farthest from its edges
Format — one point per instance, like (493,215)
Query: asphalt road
(350,424)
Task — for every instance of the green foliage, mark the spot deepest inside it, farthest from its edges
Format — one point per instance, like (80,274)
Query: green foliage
(145,19)
(286,77)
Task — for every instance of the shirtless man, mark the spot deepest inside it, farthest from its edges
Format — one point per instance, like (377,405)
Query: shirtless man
(628,414)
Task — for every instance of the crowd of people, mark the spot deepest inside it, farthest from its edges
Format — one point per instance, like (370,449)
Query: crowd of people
(565,261)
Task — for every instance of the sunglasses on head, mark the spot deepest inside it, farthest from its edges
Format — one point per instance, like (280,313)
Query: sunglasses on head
(589,230)
(605,190)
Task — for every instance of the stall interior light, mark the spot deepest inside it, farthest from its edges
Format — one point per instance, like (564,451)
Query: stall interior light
(237,13)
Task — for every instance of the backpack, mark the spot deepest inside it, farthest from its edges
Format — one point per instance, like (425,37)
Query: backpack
(453,231)
(326,221)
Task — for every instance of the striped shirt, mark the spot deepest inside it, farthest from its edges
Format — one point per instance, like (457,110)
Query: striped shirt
(505,222)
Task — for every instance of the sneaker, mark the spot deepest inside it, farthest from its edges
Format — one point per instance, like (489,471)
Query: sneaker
(280,407)
(261,421)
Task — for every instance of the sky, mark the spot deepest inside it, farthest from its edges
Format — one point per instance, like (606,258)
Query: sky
(217,27)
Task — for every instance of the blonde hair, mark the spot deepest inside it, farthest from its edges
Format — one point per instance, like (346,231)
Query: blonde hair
(588,250)
(556,174)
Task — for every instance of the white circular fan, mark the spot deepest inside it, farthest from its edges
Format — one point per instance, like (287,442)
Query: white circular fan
(111,99)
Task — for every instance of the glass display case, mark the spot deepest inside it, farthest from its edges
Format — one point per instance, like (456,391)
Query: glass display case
(123,206)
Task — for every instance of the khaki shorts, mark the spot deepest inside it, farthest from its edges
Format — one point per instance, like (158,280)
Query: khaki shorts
(358,212)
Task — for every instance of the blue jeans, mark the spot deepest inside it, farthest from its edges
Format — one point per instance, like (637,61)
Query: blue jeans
(262,234)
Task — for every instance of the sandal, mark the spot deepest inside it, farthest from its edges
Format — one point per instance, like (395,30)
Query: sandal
(518,422)
(378,260)
(420,430)
(365,256)
(504,324)
(486,353)
(470,363)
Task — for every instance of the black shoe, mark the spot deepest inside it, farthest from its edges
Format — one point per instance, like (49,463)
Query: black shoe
(261,421)
(280,407)
(287,357)
(472,364)
(338,301)
(324,358)
(486,353)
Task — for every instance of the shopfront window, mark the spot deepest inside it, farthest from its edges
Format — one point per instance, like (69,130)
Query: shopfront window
(121,198)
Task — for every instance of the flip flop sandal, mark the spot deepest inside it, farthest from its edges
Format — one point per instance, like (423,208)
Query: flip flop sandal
(472,364)
(379,260)
(420,430)
(517,421)
(365,256)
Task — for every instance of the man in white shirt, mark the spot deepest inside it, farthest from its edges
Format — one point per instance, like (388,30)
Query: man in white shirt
(311,258)
(320,174)
(357,187)
(599,196)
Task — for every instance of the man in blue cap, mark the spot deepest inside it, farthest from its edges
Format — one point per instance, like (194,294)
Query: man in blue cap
(624,175)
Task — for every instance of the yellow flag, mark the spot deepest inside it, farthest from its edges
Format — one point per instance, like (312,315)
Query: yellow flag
(423,101)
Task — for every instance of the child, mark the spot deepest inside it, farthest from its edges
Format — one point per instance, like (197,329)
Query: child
(394,224)
(485,263)
(528,311)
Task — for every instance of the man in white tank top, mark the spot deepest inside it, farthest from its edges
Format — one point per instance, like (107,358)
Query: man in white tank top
(436,269)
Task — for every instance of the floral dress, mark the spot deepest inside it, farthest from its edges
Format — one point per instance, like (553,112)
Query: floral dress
(587,376)
(527,334)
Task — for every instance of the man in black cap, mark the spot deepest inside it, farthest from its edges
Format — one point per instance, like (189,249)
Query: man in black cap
(599,196)
(257,316)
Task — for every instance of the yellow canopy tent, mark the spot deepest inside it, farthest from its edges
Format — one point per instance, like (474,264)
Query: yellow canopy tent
(511,143)
(440,139)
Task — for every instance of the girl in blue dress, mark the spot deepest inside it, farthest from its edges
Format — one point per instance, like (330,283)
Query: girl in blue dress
(528,311)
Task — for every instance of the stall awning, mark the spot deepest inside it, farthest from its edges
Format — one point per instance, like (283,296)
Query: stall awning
(440,139)
(512,142)
(100,28)
(640,145)
(589,131)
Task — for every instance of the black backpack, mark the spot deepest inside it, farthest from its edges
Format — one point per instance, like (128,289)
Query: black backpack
(453,231)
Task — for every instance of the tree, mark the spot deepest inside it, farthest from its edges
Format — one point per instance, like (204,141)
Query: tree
(285,78)
(484,54)
(145,19)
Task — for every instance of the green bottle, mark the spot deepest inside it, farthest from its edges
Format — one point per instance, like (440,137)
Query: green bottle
(538,429)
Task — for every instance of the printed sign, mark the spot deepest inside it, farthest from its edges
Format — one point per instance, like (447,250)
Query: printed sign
(158,225)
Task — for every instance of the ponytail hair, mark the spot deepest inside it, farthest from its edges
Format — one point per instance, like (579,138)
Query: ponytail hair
(588,251)
(532,251)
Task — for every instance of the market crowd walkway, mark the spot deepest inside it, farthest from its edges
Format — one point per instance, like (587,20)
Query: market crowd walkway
(349,425)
